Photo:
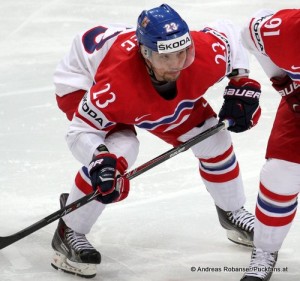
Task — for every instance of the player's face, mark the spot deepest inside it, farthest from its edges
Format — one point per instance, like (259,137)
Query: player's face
(167,67)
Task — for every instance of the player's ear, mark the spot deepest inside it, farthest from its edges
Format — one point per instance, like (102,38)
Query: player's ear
(146,53)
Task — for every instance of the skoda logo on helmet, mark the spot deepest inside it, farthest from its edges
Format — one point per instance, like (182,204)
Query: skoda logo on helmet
(174,45)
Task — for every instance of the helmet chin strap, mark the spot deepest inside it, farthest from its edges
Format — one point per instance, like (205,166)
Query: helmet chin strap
(152,75)
(150,71)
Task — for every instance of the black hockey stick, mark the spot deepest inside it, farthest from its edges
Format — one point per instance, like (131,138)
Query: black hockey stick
(8,240)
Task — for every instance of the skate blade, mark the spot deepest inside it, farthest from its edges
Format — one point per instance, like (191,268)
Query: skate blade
(237,238)
(86,270)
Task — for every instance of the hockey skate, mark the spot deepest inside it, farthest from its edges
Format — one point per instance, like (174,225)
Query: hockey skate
(239,225)
(73,252)
(261,266)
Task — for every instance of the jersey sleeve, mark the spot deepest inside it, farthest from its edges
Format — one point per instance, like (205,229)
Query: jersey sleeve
(91,123)
(92,126)
(96,121)
(237,53)
(267,65)
(74,72)
(268,35)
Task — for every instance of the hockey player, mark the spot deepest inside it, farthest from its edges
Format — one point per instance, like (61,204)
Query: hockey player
(274,39)
(152,77)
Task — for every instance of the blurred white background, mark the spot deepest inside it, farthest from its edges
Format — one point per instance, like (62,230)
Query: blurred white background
(168,224)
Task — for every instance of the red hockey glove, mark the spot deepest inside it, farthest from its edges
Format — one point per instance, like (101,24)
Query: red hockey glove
(289,90)
(241,104)
(105,171)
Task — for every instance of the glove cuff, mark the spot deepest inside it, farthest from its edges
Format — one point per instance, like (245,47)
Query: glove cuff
(245,82)
(244,88)
(122,165)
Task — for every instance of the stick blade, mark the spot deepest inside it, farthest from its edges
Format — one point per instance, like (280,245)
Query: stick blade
(7,240)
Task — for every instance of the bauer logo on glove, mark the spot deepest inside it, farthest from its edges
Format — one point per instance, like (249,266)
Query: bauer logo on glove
(241,104)
(289,90)
(241,93)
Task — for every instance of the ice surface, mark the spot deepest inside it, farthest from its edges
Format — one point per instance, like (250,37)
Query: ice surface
(168,224)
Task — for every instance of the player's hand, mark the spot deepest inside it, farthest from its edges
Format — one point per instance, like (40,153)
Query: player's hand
(105,171)
(289,90)
(241,104)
